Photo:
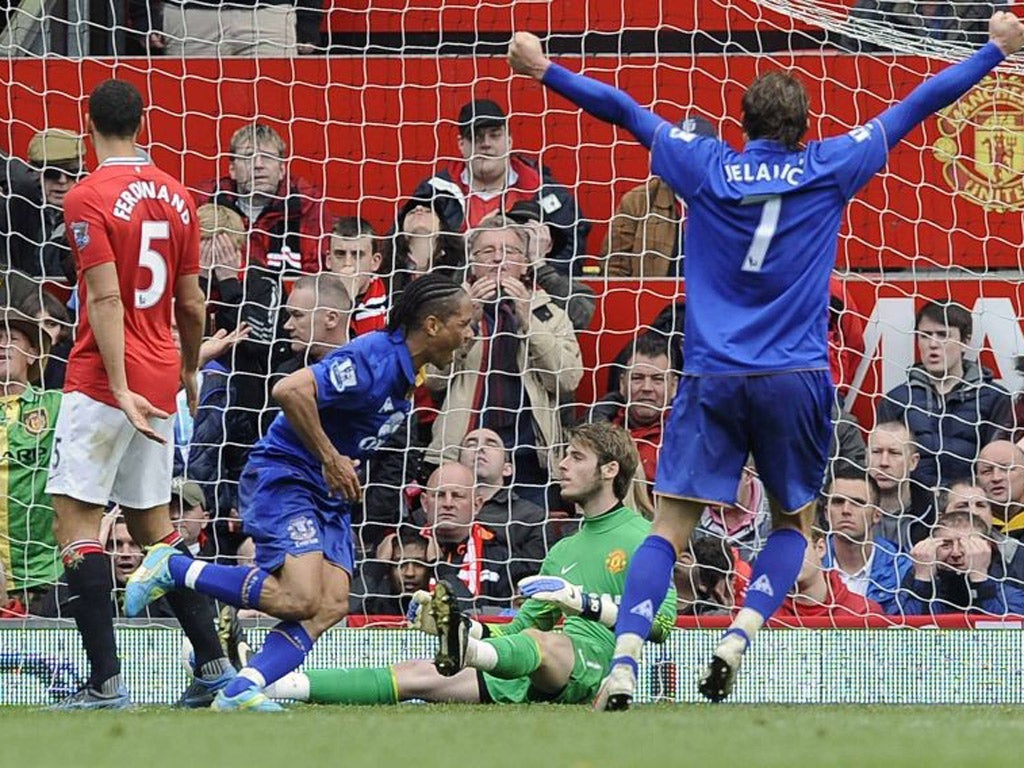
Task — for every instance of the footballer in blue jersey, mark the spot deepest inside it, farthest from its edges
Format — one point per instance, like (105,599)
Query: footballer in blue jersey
(761,238)
(300,479)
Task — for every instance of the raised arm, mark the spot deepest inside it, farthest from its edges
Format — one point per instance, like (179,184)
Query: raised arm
(602,101)
(1006,35)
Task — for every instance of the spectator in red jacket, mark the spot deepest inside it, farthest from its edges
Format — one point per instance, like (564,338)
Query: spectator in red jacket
(821,593)
(492,177)
(285,216)
(644,398)
(355,255)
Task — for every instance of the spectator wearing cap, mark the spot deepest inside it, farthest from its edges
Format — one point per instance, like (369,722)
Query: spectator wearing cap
(572,295)
(33,220)
(492,177)
(645,238)
(28,549)
(188,512)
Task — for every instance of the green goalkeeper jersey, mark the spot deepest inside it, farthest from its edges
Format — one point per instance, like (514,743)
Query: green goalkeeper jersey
(28,549)
(596,559)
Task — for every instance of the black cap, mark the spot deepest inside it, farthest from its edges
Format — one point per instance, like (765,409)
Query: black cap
(697,125)
(480,113)
(529,210)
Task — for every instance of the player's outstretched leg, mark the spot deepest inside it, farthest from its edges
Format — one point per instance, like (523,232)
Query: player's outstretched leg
(150,581)
(775,573)
(164,569)
(452,630)
(210,668)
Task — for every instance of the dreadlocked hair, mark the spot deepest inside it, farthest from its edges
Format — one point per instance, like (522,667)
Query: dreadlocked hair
(429,295)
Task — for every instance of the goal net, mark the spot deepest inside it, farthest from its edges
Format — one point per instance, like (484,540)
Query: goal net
(370,109)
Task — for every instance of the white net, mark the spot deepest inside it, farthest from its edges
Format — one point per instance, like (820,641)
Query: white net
(367,106)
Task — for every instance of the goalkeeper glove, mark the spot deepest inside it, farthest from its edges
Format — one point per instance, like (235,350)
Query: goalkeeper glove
(420,617)
(570,599)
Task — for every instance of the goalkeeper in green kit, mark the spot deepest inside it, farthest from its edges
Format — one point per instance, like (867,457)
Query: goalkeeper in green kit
(527,660)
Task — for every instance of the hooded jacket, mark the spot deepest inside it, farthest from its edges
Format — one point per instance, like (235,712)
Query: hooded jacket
(949,429)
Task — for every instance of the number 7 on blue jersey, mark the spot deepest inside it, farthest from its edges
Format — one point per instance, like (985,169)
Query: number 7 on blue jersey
(765,231)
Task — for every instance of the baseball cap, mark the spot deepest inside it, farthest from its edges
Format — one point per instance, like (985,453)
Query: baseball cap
(16,320)
(523,211)
(480,113)
(56,147)
(188,491)
(697,125)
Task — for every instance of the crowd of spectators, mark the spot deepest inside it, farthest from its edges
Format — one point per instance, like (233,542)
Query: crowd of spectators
(922,511)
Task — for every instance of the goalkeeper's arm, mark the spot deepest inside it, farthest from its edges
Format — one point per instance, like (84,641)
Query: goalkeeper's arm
(573,601)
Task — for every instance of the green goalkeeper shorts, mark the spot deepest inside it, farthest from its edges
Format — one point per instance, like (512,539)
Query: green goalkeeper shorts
(587,673)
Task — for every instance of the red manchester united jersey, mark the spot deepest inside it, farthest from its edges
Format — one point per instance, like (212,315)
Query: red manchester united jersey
(133,214)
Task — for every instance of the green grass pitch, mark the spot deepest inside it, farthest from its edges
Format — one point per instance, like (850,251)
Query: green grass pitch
(520,736)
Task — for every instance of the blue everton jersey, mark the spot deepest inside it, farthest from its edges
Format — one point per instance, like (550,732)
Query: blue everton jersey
(362,391)
(762,227)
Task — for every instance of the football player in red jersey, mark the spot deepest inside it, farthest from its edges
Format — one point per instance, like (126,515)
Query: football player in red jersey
(135,239)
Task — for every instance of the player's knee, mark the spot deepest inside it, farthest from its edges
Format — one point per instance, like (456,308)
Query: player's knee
(333,608)
(543,640)
(299,606)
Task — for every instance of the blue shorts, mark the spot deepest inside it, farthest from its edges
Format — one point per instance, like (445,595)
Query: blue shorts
(287,513)
(783,419)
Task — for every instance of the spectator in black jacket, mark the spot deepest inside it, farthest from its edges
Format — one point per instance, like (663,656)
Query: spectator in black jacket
(422,242)
(492,177)
(521,521)
(56,321)
(951,404)
(33,220)
(472,556)
(404,564)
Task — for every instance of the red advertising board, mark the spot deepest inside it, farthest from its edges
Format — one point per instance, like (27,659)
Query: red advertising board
(888,309)
(367,130)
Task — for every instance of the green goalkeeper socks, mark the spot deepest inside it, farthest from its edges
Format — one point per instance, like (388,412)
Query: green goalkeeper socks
(518,656)
(352,686)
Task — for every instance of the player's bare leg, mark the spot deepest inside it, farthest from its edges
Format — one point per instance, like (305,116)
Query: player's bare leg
(289,642)
(674,521)
(719,676)
(420,680)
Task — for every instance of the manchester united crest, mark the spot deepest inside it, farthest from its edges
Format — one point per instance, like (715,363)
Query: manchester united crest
(616,561)
(981,144)
(35,422)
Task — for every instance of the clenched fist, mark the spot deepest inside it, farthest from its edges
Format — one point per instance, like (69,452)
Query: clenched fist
(526,57)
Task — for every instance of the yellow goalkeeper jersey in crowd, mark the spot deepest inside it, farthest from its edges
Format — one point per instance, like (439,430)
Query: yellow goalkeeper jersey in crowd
(28,549)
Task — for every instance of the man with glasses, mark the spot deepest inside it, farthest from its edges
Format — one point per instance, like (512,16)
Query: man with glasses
(523,364)
(33,219)
(286,234)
